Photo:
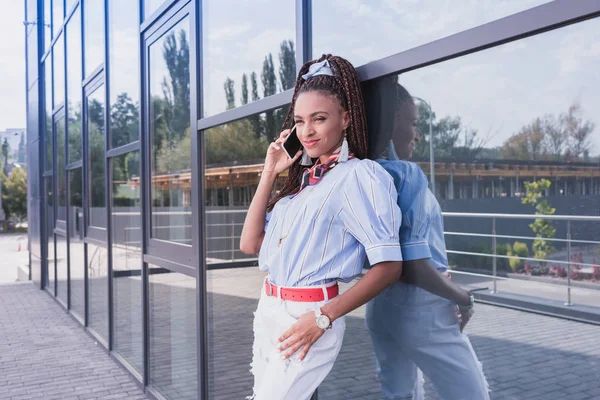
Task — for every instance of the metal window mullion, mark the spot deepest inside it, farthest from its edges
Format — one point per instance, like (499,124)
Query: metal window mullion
(303,32)
(198,207)
(108,178)
(144,198)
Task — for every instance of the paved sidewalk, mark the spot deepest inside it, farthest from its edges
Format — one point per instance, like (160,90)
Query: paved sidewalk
(45,354)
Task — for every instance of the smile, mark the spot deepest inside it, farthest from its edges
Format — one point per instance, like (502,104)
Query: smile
(310,143)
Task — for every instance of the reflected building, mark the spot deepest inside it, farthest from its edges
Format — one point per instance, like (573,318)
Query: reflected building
(148,121)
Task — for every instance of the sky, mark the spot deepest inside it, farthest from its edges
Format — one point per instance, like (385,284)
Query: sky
(12,69)
(496,91)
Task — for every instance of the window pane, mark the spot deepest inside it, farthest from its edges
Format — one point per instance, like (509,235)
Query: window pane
(70,5)
(98,289)
(150,6)
(369,30)
(59,71)
(61,174)
(508,124)
(243,60)
(49,231)
(32,56)
(95,124)
(57,15)
(47,25)
(74,79)
(61,268)
(124,72)
(76,256)
(170,133)
(173,360)
(93,14)
(127,260)
(232,175)
(48,100)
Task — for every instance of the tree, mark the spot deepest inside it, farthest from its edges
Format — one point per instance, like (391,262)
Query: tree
(287,65)
(269,82)
(229,93)
(21,154)
(551,137)
(542,228)
(124,120)
(244,99)
(14,195)
(577,131)
(446,133)
(223,143)
(527,144)
(255,120)
(5,151)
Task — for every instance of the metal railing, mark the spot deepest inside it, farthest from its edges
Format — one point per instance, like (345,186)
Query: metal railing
(494,236)
(230,237)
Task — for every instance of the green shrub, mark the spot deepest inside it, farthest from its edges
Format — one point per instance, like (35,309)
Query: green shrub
(519,250)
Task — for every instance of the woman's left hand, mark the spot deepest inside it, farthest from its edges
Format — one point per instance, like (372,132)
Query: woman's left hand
(303,334)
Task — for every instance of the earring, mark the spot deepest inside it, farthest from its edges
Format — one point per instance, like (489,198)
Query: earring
(306,160)
(344,151)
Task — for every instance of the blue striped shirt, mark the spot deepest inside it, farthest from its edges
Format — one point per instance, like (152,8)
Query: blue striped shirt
(422,230)
(324,233)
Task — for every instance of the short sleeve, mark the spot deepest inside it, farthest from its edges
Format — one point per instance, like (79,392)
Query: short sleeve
(413,198)
(370,212)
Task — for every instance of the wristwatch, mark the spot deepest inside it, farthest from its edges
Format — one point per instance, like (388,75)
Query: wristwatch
(323,320)
(471,303)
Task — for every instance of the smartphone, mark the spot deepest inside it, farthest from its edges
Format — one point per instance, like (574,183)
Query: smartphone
(292,144)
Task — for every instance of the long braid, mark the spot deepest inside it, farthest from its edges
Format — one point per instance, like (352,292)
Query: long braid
(345,86)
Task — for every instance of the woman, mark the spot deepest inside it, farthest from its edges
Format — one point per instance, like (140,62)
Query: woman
(317,231)
(413,323)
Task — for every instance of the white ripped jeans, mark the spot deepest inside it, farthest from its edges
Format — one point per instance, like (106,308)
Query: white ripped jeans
(414,330)
(276,379)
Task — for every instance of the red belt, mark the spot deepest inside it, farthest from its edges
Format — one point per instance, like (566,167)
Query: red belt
(301,294)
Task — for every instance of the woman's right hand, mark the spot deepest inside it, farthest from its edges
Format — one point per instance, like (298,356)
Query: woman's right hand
(276,160)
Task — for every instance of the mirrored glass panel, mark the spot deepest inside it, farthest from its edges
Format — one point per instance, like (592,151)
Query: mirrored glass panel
(74,78)
(48,115)
(47,25)
(173,348)
(126,258)
(150,6)
(170,157)
(59,71)
(62,264)
(124,78)
(232,173)
(96,137)
(98,289)
(365,30)
(93,24)
(76,246)
(49,234)
(61,173)
(58,15)
(248,54)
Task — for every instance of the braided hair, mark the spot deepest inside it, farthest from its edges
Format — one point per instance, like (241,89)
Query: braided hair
(345,86)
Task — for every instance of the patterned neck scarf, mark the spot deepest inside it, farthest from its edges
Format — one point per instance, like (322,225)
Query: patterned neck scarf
(312,176)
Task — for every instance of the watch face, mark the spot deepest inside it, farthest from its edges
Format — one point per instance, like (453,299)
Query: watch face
(323,322)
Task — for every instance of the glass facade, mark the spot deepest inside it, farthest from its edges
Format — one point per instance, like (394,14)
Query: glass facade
(96,138)
(74,78)
(93,25)
(127,258)
(169,89)
(149,165)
